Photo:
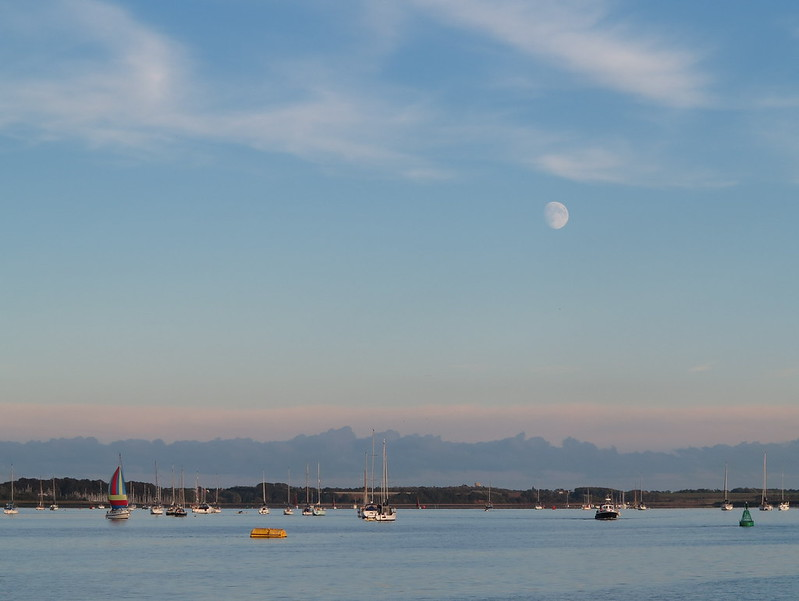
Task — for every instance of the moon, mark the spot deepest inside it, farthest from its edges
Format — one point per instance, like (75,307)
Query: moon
(556,215)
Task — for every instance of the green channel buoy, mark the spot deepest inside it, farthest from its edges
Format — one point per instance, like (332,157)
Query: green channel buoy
(746,518)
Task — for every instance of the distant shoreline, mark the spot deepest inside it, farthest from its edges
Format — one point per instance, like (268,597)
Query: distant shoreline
(71,495)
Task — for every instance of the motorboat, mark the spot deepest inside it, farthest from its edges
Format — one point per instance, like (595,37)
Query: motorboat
(607,511)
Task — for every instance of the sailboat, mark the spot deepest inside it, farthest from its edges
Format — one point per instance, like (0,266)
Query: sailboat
(54,506)
(288,510)
(489,504)
(118,496)
(317,508)
(381,511)
(10,508)
(784,505)
(157,507)
(764,504)
(640,505)
(180,508)
(367,499)
(538,500)
(216,507)
(40,505)
(200,503)
(307,510)
(264,510)
(726,505)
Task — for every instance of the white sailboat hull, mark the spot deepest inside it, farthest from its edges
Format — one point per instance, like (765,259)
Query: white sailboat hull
(118,514)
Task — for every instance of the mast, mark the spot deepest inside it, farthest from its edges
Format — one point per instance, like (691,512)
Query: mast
(307,491)
(384,483)
(373,464)
(725,482)
(157,489)
(318,485)
(365,478)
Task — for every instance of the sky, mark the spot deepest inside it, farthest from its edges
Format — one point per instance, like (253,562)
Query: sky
(254,218)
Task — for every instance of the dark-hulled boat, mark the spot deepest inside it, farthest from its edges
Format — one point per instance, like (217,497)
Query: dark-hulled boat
(607,511)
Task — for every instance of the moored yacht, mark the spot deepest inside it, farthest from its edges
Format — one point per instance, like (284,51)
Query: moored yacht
(607,511)
(726,505)
(764,504)
(11,508)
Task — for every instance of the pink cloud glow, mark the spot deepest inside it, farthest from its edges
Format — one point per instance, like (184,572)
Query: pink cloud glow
(626,428)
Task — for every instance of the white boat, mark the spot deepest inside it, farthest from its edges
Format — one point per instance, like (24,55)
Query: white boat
(11,508)
(118,496)
(40,506)
(784,505)
(308,509)
(264,509)
(726,505)
(489,504)
(317,509)
(607,511)
(203,508)
(764,504)
(157,508)
(216,507)
(380,510)
(178,507)
(639,501)
(200,506)
(54,505)
(288,510)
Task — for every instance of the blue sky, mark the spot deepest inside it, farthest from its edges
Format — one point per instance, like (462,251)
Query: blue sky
(250,218)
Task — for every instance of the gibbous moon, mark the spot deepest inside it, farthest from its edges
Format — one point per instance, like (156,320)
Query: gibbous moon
(556,215)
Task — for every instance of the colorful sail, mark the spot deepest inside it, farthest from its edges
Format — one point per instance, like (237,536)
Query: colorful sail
(117,495)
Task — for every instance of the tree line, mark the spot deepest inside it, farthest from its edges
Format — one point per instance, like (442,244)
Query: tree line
(85,492)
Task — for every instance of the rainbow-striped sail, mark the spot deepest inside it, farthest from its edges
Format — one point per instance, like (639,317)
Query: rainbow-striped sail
(117,495)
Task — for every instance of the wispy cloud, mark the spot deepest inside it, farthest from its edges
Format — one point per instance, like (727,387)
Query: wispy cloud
(106,79)
(96,73)
(581,36)
(135,88)
(625,163)
(589,164)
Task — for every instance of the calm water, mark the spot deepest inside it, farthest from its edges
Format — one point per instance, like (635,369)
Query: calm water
(427,554)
